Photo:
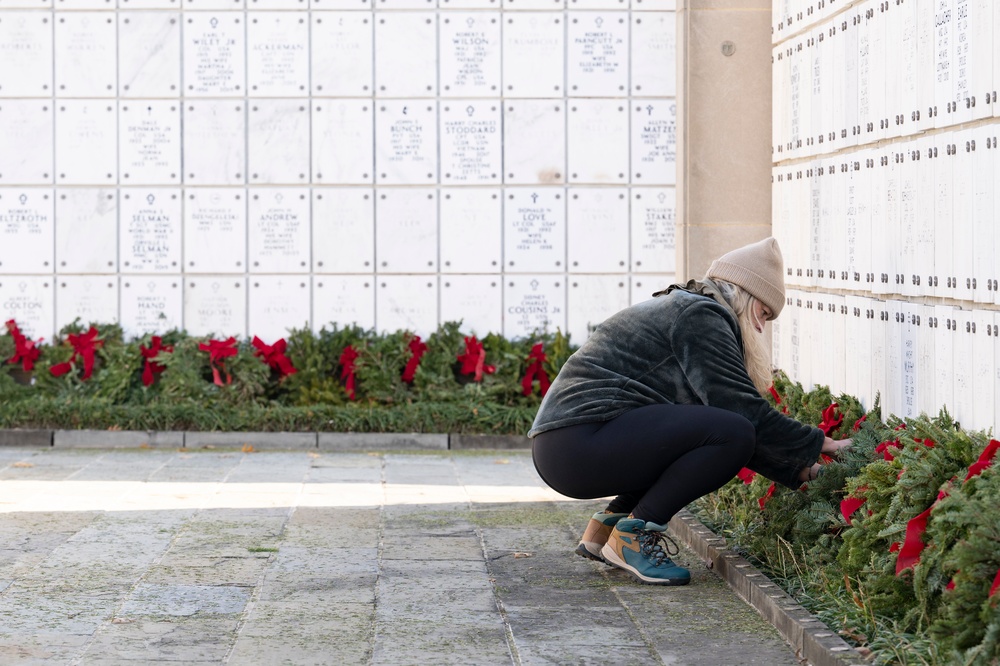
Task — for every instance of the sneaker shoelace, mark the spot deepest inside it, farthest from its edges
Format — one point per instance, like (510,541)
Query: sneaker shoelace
(657,547)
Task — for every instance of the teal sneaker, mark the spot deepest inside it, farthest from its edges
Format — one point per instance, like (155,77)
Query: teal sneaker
(597,533)
(643,550)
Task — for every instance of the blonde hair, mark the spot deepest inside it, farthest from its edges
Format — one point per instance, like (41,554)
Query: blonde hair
(756,353)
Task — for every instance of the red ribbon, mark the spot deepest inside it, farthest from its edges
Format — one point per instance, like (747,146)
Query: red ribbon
(763,500)
(537,356)
(746,475)
(347,358)
(774,394)
(274,355)
(995,586)
(25,350)
(849,505)
(474,360)
(218,351)
(883,448)
(84,346)
(150,367)
(913,543)
(831,419)
(857,424)
(984,461)
(417,349)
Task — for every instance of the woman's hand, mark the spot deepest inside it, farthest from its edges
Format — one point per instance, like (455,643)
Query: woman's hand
(832,447)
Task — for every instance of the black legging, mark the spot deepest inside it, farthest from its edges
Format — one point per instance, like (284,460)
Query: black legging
(656,459)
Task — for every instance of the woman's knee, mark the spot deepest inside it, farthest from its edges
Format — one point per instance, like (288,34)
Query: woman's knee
(736,433)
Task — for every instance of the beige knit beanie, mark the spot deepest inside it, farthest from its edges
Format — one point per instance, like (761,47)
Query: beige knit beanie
(758,268)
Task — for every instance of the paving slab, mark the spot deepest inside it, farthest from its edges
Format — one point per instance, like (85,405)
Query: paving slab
(156,556)
(126,439)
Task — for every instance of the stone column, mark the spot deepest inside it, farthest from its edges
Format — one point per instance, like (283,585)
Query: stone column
(724,128)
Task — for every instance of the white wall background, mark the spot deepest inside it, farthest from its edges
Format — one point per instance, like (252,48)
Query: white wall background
(246,166)
(886,170)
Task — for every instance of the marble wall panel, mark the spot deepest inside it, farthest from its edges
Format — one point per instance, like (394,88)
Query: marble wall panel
(652,232)
(150,224)
(278,304)
(654,142)
(215,142)
(406,54)
(654,49)
(590,299)
(342,47)
(25,54)
(27,142)
(215,230)
(533,54)
(214,54)
(534,142)
(278,143)
(27,230)
(406,303)
(86,230)
(149,54)
(86,142)
(534,237)
(343,230)
(471,142)
(597,230)
(475,300)
(406,233)
(149,142)
(277,54)
(86,56)
(469,54)
(343,141)
(533,303)
(278,231)
(91,299)
(471,226)
(597,138)
(29,301)
(406,142)
(343,300)
(151,304)
(597,61)
(215,305)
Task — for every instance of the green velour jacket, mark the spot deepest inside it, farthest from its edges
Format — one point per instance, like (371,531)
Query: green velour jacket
(682,347)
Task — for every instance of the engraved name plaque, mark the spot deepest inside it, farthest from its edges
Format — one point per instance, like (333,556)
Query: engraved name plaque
(653,230)
(86,142)
(26,142)
(215,231)
(149,54)
(278,304)
(406,232)
(214,142)
(535,231)
(278,240)
(28,300)
(343,141)
(86,226)
(149,142)
(343,230)
(151,304)
(533,54)
(149,231)
(406,303)
(277,54)
(342,47)
(470,142)
(27,231)
(25,54)
(470,55)
(534,142)
(406,54)
(406,142)
(598,141)
(654,54)
(86,58)
(597,230)
(598,54)
(654,142)
(471,228)
(215,305)
(278,144)
(590,300)
(93,299)
(343,300)
(474,300)
(214,61)
(533,303)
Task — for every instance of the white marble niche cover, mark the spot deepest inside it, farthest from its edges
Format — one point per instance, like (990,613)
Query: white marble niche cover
(406,303)
(597,138)
(470,54)
(93,299)
(533,303)
(215,231)
(343,141)
(151,304)
(342,47)
(644,286)
(534,142)
(654,54)
(27,231)
(26,66)
(475,300)
(406,142)
(406,54)
(278,304)
(149,230)
(214,54)
(533,54)
(26,144)
(654,142)
(277,54)
(343,300)
(28,300)
(471,142)
(590,300)
(406,234)
(597,226)
(471,229)
(86,56)
(343,230)
(214,142)
(278,231)
(535,231)
(86,142)
(149,142)
(654,218)
(278,141)
(598,54)
(216,305)
(149,54)
(86,231)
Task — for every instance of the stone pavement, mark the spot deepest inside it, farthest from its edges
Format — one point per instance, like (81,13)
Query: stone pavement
(210,556)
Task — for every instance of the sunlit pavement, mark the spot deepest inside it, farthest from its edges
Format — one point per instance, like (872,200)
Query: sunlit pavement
(211,556)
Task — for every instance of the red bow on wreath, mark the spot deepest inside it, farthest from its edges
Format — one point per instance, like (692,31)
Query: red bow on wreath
(474,360)
(831,419)
(218,351)
(150,367)
(274,355)
(84,346)
(417,349)
(25,350)
(537,357)
(347,358)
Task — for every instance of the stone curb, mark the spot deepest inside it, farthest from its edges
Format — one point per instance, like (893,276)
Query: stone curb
(811,639)
(275,441)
